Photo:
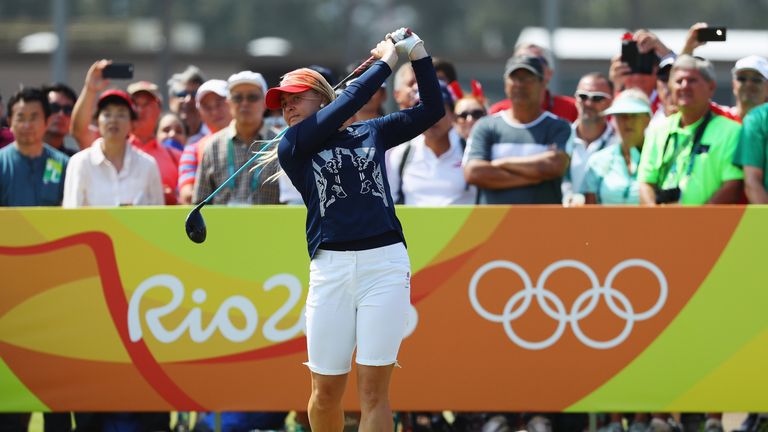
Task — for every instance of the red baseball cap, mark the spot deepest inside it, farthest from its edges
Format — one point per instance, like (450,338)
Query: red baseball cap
(119,96)
(273,95)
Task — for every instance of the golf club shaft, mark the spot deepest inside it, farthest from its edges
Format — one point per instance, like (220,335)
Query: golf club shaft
(359,70)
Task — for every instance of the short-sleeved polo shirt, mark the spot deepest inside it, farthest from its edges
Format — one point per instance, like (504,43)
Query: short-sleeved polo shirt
(666,157)
(26,181)
(753,141)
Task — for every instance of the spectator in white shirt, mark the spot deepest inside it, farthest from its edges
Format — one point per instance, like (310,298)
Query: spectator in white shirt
(111,172)
(427,170)
(591,132)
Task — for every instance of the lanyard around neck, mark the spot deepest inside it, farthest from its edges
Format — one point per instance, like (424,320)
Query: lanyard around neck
(631,177)
(231,168)
(697,135)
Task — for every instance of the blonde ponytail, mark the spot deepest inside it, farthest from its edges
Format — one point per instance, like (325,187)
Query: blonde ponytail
(268,155)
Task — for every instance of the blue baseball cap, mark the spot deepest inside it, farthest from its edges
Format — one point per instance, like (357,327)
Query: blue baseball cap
(445,92)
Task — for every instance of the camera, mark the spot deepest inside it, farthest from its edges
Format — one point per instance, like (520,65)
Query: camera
(667,196)
(638,63)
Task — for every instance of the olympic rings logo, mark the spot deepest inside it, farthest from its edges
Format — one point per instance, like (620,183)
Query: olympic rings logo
(585,303)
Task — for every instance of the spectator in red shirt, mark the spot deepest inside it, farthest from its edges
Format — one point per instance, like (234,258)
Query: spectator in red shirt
(149,107)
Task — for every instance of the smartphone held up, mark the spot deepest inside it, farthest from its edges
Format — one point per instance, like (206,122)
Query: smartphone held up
(117,71)
(711,34)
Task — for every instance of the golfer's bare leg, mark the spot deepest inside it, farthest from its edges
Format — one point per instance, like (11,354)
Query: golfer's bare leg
(325,411)
(373,390)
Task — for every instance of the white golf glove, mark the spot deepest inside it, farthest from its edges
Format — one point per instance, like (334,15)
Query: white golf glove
(405,42)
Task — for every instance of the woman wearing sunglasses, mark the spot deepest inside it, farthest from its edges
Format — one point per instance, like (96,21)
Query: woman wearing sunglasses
(611,176)
(468,111)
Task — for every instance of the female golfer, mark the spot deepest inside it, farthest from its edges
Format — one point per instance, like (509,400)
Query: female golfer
(359,288)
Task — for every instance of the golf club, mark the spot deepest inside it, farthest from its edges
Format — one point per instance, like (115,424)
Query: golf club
(195,224)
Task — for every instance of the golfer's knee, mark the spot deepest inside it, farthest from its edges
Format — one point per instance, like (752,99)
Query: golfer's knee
(372,396)
(325,398)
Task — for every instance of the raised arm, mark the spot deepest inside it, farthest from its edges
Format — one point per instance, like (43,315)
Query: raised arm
(404,125)
(82,113)
(692,41)
(308,136)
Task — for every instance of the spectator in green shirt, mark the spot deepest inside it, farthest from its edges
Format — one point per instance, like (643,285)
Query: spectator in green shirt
(751,154)
(688,158)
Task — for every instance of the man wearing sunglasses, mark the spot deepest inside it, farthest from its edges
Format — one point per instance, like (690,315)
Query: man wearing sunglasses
(590,132)
(62,100)
(750,84)
(229,148)
(182,89)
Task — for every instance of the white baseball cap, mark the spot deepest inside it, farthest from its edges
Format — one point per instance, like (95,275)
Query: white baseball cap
(215,86)
(754,62)
(247,77)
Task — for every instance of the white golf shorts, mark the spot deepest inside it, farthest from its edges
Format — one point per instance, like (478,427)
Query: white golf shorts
(357,298)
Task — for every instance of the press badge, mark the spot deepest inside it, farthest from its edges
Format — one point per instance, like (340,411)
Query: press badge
(53,169)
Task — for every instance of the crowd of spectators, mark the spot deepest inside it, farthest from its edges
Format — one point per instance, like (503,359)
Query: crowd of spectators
(625,137)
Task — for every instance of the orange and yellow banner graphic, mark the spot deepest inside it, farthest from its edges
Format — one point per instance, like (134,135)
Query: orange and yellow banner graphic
(514,309)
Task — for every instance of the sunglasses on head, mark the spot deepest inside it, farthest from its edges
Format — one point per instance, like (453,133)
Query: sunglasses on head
(250,97)
(476,114)
(593,96)
(753,80)
(56,108)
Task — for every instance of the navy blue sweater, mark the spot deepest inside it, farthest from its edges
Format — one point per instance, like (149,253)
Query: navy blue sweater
(342,175)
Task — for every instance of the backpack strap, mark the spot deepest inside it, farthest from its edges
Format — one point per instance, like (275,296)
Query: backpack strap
(401,170)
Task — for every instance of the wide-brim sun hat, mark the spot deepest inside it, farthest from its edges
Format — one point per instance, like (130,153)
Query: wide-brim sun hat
(628,105)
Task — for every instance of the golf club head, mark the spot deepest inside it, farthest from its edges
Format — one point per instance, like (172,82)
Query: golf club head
(195,225)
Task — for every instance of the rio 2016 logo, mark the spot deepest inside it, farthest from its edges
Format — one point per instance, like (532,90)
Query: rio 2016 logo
(583,306)
(193,325)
